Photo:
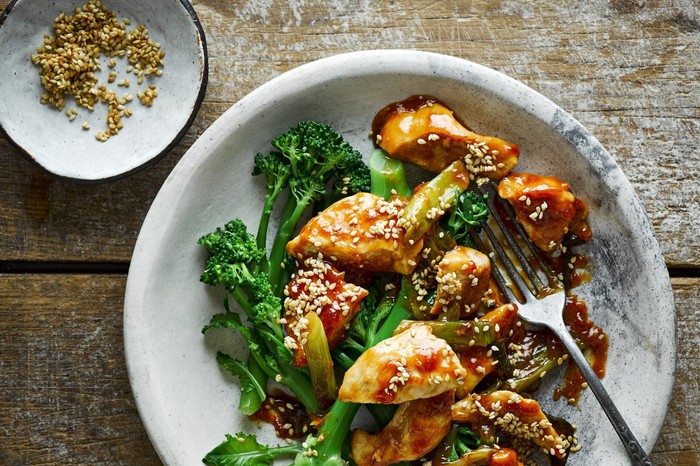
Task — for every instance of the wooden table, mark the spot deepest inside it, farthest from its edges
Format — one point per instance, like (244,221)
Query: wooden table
(629,70)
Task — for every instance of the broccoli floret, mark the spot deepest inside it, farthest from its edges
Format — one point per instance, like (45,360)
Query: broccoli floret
(319,158)
(234,255)
(468,212)
(233,261)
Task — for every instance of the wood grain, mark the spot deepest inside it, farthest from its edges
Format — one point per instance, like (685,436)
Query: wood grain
(65,396)
(627,69)
(64,390)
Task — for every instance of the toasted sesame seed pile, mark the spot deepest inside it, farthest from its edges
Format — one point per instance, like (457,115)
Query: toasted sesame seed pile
(68,62)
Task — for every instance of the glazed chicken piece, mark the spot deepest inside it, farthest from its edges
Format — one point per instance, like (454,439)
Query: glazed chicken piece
(462,278)
(412,365)
(359,233)
(546,209)
(488,456)
(317,286)
(474,341)
(423,131)
(478,363)
(417,427)
(508,412)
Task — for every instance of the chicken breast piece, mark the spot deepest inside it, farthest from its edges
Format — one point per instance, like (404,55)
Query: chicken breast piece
(488,456)
(417,427)
(478,363)
(546,209)
(509,412)
(412,365)
(360,233)
(463,278)
(317,286)
(423,131)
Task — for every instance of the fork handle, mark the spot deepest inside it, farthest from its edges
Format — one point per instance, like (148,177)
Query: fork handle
(635,450)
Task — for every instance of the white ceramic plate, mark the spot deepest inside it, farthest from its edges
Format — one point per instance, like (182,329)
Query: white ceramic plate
(44,135)
(187,404)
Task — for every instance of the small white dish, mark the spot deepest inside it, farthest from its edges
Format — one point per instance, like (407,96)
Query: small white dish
(46,136)
(187,403)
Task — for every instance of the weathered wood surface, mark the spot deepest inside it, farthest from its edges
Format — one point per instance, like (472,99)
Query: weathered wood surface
(65,396)
(627,69)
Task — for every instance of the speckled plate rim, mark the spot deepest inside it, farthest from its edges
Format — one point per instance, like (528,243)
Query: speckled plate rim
(204,61)
(160,217)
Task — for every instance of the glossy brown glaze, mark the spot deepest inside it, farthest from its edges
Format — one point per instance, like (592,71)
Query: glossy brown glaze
(595,342)
(286,414)
(411,365)
(359,232)
(424,131)
(317,286)
(545,207)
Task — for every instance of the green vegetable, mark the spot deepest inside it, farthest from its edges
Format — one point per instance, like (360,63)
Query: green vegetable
(277,174)
(433,199)
(234,257)
(271,355)
(319,360)
(318,159)
(467,213)
(250,380)
(459,441)
(388,175)
(313,163)
(543,359)
(372,325)
(460,334)
(244,450)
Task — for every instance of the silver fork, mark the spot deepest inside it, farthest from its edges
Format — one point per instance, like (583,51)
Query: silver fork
(546,305)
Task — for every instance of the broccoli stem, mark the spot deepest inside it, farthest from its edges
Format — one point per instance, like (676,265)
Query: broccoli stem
(542,364)
(292,377)
(242,301)
(342,359)
(267,265)
(460,334)
(333,432)
(399,312)
(290,219)
(431,201)
(320,362)
(300,384)
(388,176)
(352,344)
(261,237)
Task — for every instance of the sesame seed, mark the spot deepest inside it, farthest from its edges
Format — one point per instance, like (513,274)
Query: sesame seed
(67,63)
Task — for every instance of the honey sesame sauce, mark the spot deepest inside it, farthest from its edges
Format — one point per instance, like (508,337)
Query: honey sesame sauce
(409,105)
(588,336)
(286,414)
(533,352)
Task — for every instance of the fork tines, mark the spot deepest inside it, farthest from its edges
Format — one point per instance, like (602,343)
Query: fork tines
(514,259)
